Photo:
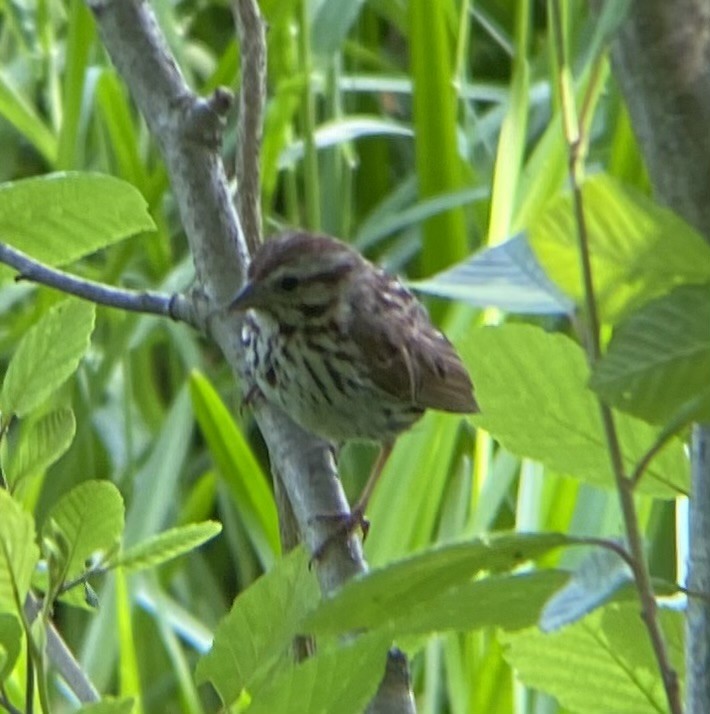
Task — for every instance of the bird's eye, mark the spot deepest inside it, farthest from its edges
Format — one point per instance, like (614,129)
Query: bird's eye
(288,283)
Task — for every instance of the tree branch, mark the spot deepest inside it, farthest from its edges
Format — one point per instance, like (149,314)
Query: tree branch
(175,306)
(188,130)
(252,97)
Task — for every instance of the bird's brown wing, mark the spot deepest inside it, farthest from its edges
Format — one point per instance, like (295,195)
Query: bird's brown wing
(407,356)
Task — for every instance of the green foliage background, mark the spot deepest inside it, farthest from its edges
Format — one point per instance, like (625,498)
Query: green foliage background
(420,131)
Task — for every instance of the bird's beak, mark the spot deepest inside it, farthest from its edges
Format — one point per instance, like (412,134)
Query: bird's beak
(244,299)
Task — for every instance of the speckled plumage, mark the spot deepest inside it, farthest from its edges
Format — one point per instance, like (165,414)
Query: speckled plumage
(345,349)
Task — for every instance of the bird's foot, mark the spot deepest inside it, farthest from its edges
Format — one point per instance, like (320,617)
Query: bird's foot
(344,525)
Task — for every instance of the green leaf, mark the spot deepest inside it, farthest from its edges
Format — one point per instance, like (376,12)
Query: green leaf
(507,276)
(342,679)
(331,23)
(58,218)
(531,386)
(659,358)
(40,445)
(109,706)
(18,553)
(251,493)
(638,249)
(167,545)
(86,522)
(259,628)
(599,665)
(47,355)
(383,595)
(10,643)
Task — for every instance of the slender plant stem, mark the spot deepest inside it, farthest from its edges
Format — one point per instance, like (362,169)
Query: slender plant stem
(624,484)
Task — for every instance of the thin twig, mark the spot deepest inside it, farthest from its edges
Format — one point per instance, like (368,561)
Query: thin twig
(175,306)
(625,485)
(252,40)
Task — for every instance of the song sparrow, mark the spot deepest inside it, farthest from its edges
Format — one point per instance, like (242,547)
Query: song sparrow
(343,348)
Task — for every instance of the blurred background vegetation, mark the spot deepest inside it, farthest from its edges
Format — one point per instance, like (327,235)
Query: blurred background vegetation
(418,130)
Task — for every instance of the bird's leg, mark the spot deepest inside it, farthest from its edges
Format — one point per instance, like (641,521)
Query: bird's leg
(357,512)
(348,522)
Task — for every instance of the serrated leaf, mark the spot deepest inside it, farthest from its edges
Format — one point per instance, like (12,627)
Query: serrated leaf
(601,664)
(18,552)
(86,522)
(47,355)
(531,386)
(659,357)
(58,218)
(10,643)
(342,680)
(259,628)
(165,546)
(638,249)
(252,494)
(507,276)
(382,595)
(40,445)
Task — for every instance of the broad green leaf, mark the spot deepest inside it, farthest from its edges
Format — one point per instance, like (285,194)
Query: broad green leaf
(165,546)
(86,522)
(341,679)
(638,249)
(18,552)
(45,441)
(58,218)
(259,628)
(531,386)
(382,595)
(109,706)
(252,494)
(10,643)
(659,357)
(47,355)
(601,664)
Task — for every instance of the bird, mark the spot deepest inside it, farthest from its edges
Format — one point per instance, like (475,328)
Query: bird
(345,349)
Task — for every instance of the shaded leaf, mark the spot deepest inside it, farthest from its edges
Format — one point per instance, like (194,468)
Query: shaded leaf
(593,581)
(259,628)
(342,679)
(531,386)
(109,706)
(383,595)
(47,355)
(165,546)
(58,218)
(507,276)
(659,357)
(10,643)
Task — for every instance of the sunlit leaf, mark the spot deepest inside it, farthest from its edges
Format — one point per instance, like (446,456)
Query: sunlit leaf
(167,545)
(18,553)
(47,355)
(531,386)
(58,218)
(40,445)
